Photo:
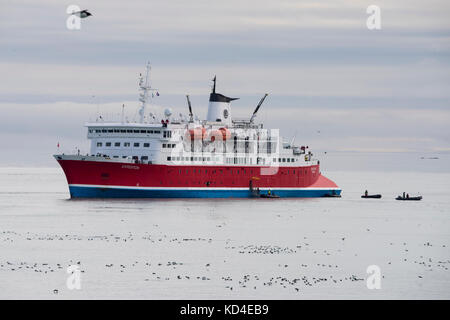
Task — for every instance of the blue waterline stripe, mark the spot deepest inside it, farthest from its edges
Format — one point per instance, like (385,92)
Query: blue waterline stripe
(99,192)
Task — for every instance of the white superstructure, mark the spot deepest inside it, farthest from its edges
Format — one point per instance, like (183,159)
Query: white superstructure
(219,139)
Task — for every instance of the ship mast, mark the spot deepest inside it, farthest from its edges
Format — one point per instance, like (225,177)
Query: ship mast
(145,89)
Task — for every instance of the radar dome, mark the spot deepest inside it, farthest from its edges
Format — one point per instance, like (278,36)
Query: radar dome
(168,112)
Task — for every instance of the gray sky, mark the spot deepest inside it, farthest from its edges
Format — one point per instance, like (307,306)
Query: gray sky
(364,90)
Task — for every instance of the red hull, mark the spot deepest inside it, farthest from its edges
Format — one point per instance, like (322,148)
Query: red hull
(151,175)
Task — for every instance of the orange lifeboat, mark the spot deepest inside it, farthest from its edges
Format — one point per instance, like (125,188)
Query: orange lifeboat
(196,134)
(223,134)
(226,134)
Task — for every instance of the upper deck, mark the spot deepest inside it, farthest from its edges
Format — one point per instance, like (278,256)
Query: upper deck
(193,143)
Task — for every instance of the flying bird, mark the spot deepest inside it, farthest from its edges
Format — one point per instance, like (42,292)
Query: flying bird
(82,14)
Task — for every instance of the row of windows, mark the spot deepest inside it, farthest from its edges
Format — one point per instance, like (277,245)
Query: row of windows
(133,157)
(238,160)
(123,131)
(228,160)
(168,145)
(125,144)
(188,158)
(260,161)
(284,160)
(238,171)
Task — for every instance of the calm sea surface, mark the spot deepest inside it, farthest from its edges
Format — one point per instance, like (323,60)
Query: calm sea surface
(233,249)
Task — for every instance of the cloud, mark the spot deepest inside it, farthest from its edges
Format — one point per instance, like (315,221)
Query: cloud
(429,81)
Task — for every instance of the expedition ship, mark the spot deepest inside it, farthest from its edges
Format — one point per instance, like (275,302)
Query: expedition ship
(186,157)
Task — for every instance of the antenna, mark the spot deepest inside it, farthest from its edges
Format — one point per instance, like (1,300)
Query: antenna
(214,86)
(123,114)
(257,108)
(145,88)
(293,138)
(191,115)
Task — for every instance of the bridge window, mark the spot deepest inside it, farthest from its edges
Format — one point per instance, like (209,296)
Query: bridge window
(117,144)
(126,144)
(136,144)
(99,144)
(146,145)
(108,144)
